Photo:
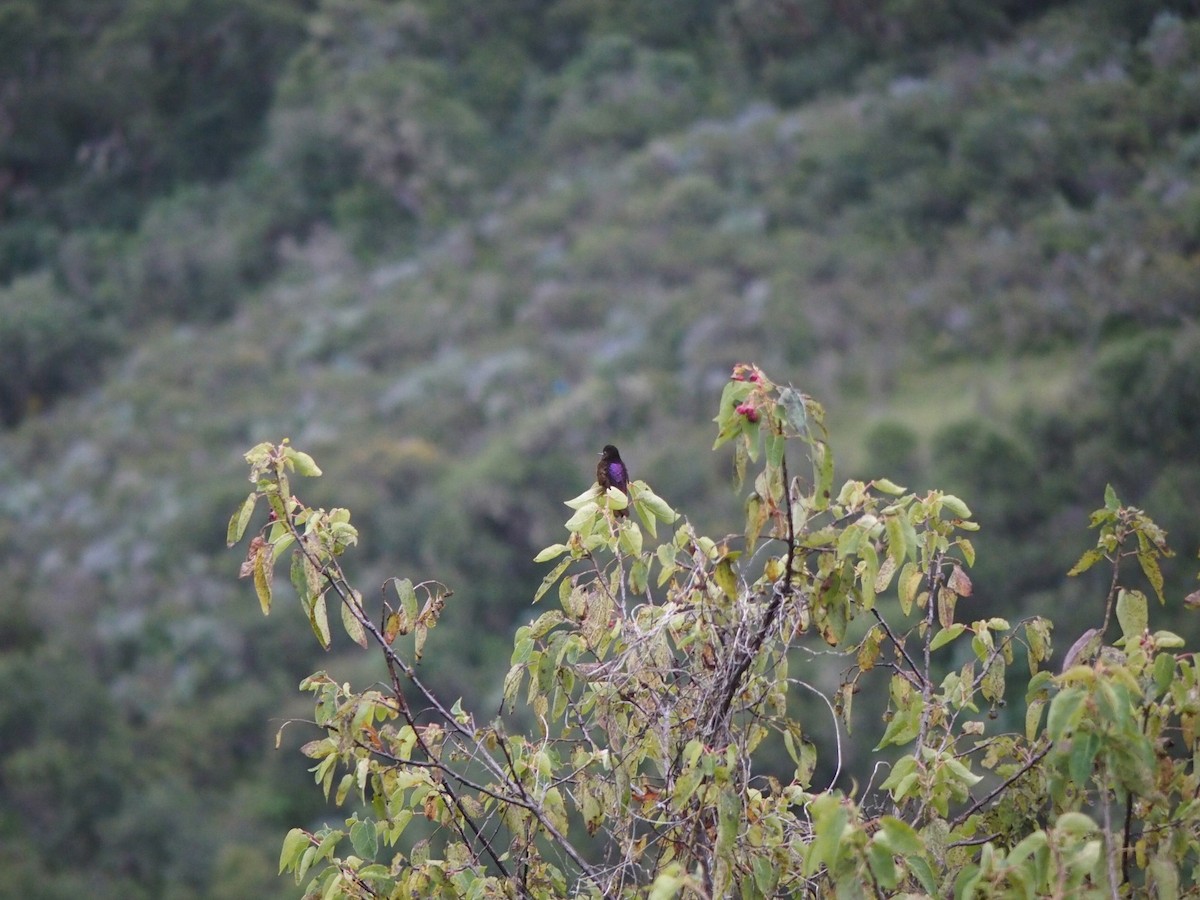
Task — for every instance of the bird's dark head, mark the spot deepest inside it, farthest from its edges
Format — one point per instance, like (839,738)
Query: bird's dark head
(609,453)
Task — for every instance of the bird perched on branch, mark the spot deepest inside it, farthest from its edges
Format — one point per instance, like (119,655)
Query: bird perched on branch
(611,472)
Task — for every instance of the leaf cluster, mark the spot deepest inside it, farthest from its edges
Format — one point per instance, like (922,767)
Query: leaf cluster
(652,695)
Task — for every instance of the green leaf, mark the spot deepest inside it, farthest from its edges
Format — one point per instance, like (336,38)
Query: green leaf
(1111,503)
(552,552)
(240,519)
(751,437)
(615,498)
(342,792)
(306,860)
(848,541)
(956,769)
(1167,640)
(1164,671)
(956,506)
(302,582)
(901,837)
(1030,845)
(649,501)
(365,838)
(1164,875)
(294,845)
(302,462)
(406,616)
(898,548)
(946,635)
(766,876)
(729,819)
(1132,614)
(630,538)
(904,767)
(882,862)
(888,486)
(328,844)
(1066,709)
(583,516)
(903,727)
(1075,825)
(920,867)
(668,882)
(588,496)
(829,821)
(1084,748)
(776,445)
(685,786)
(727,419)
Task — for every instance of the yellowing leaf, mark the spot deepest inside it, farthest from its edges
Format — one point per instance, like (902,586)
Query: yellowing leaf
(1148,560)
(353,626)
(945,608)
(240,519)
(264,572)
(910,583)
(959,582)
(726,580)
(319,620)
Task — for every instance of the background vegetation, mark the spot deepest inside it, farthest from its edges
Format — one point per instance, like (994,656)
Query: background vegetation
(452,255)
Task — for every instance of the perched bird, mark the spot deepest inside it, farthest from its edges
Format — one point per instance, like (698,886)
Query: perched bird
(611,472)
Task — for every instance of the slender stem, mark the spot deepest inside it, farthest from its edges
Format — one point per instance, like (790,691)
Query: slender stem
(337,582)
(746,656)
(1109,601)
(897,644)
(934,579)
(1110,844)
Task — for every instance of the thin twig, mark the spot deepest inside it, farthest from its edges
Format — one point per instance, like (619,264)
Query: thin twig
(897,643)
(1000,789)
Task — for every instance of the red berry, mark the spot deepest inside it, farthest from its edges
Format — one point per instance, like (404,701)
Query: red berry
(748,410)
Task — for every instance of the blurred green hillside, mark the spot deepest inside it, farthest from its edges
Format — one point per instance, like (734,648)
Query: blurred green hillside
(451,250)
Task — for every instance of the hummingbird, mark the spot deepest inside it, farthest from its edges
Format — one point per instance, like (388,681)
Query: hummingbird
(612,472)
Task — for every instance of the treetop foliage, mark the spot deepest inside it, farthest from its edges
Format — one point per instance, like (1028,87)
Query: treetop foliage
(970,227)
(650,742)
